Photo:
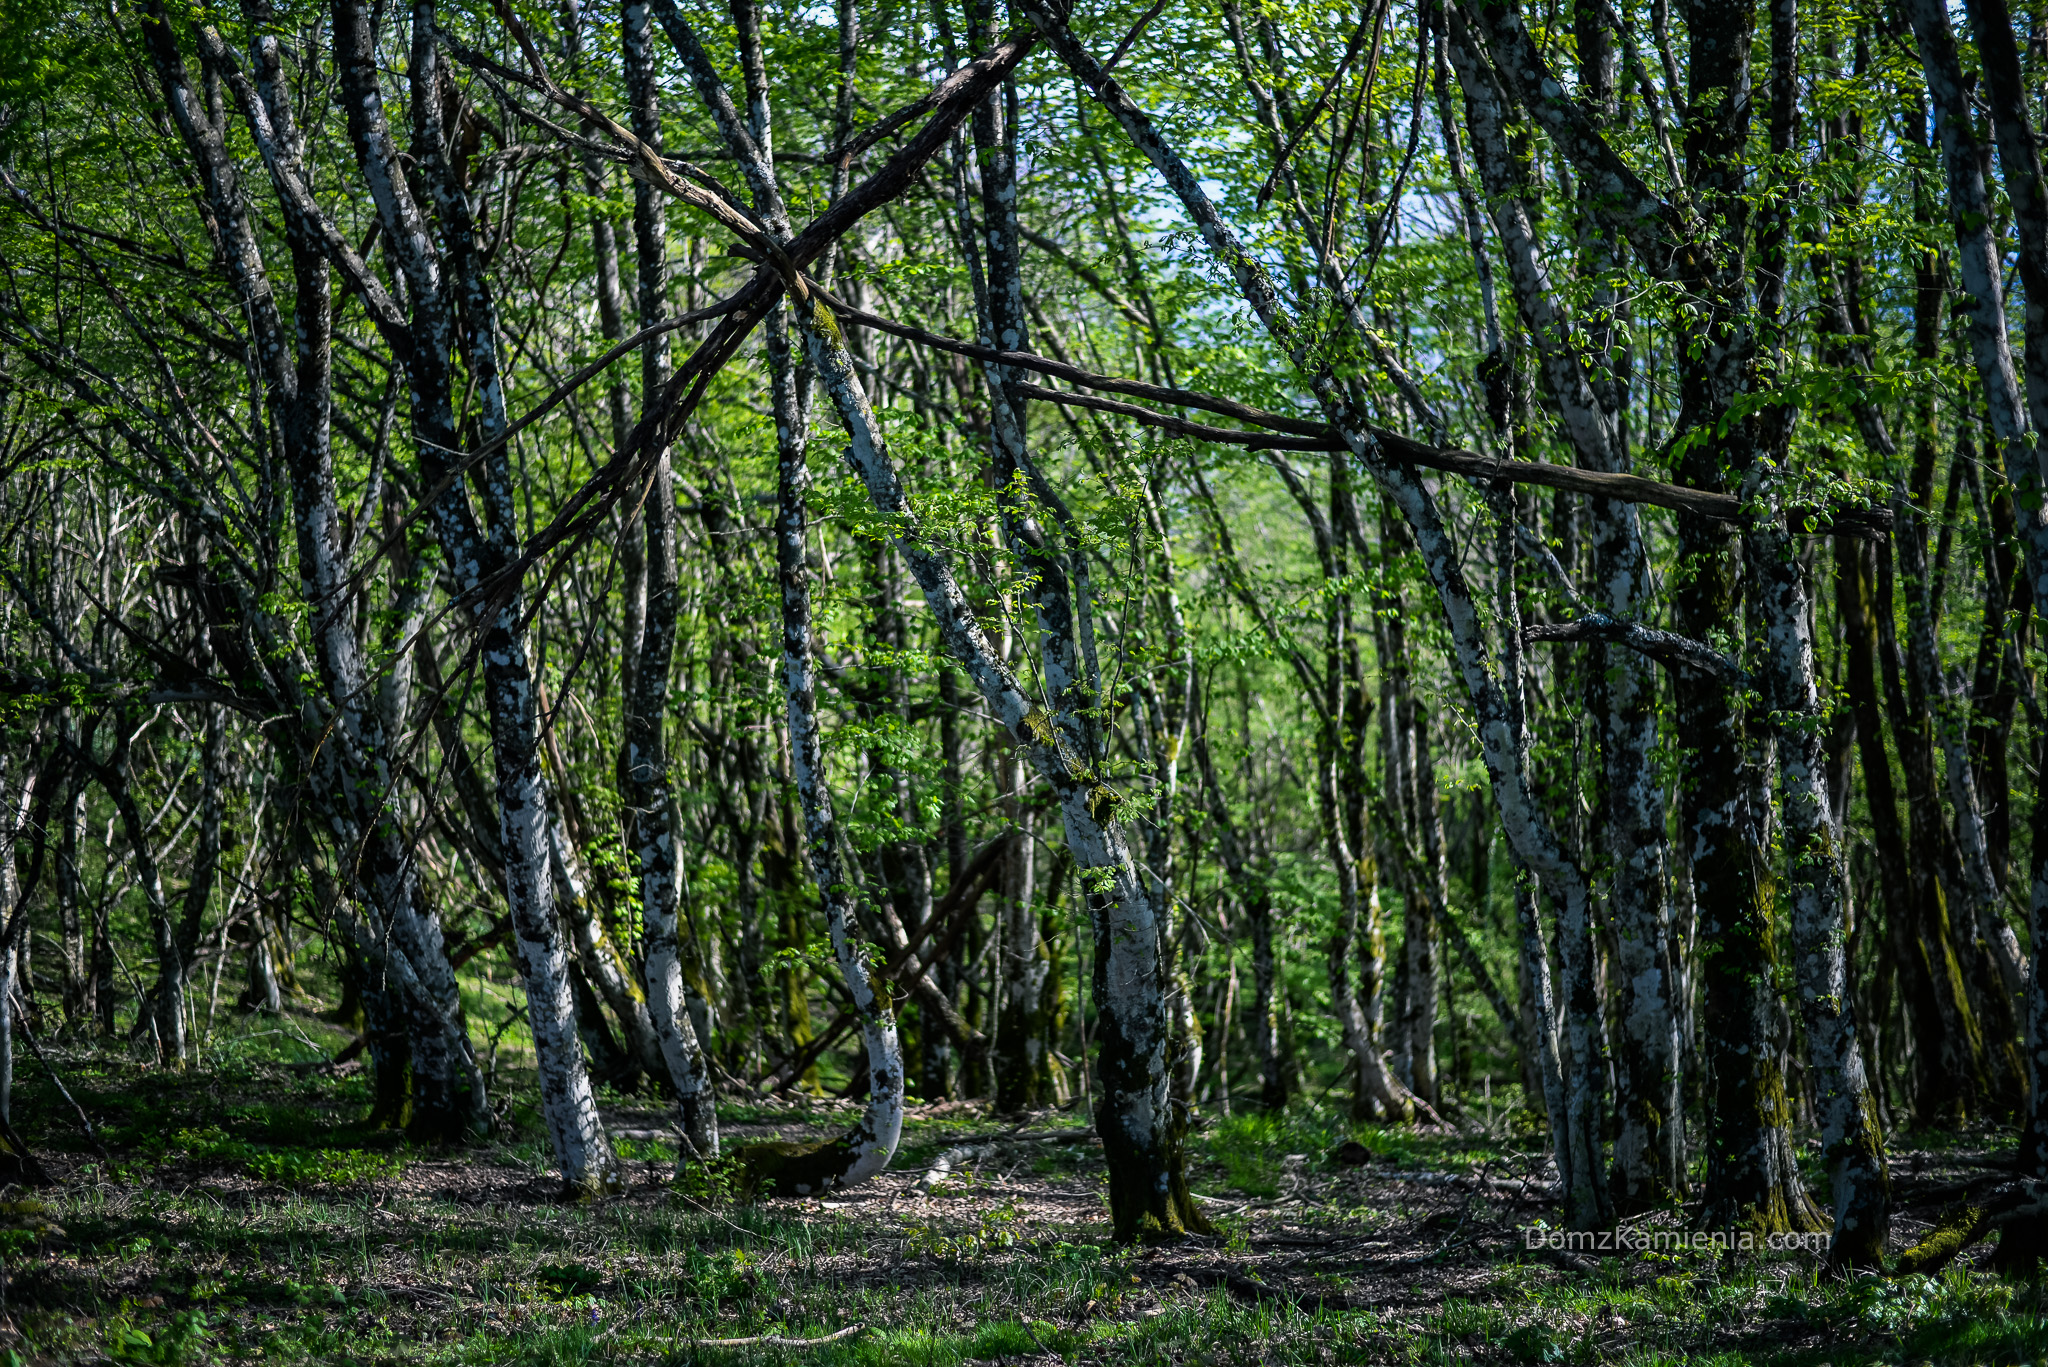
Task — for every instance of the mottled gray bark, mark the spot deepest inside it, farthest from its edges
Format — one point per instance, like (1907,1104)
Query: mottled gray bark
(341,735)
(454,320)
(868,1147)
(653,830)
(1148,1196)
(1584,378)
(2021,452)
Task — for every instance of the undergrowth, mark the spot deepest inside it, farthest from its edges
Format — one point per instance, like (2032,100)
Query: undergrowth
(240,1214)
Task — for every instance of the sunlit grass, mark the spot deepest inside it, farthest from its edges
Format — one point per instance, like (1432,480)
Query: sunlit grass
(247,1216)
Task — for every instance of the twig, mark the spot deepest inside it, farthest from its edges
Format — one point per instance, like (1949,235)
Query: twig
(322,1064)
(36,1048)
(774,1341)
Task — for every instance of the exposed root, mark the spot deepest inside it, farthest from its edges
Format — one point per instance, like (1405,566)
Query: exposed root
(2013,1204)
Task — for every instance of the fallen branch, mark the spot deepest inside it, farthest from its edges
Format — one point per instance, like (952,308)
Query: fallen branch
(1070,1135)
(1251,1290)
(35,1047)
(352,1049)
(942,1166)
(775,1341)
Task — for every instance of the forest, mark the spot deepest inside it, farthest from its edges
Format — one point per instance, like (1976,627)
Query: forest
(947,681)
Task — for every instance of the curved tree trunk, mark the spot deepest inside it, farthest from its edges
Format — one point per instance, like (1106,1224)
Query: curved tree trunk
(1502,751)
(1780,585)
(1141,1139)
(866,1149)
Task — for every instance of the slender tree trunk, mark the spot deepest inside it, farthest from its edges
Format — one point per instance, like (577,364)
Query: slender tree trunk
(1378,1091)
(598,960)
(1340,712)
(1502,750)
(1946,717)
(1780,587)
(1979,269)
(1141,1138)
(78,978)
(2019,152)
(1816,876)
(264,992)
(1022,1061)
(2002,643)
(16,791)
(176,949)
(1852,1144)
(26,790)
(341,741)
(1587,380)
(1427,909)
(455,319)
(1255,898)
(1403,741)
(868,1147)
(647,768)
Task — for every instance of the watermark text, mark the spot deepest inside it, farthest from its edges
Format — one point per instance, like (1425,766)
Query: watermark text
(1625,1240)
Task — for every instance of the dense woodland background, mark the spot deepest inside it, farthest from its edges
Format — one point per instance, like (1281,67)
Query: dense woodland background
(1461,556)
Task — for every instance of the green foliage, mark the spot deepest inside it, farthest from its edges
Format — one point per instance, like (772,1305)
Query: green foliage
(718,1182)
(1534,1343)
(292,1166)
(994,1230)
(975,1274)
(184,1338)
(336,1166)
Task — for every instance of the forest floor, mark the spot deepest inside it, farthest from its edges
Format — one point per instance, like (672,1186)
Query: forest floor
(236,1213)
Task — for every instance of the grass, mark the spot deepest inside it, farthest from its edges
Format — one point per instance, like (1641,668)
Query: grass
(240,1214)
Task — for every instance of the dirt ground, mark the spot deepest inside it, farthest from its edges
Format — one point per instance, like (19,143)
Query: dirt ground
(176,1240)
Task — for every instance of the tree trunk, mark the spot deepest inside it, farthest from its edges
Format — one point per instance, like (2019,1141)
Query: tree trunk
(78,977)
(867,1148)
(1022,1063)
(2021,1246)
(454,318)
(1587,378)
(175,950)
(1983,300)
(1141,1138)
(340,739)
(1021,1057)
(1500,745)
(1255,898)
(1404,742)
(653,815)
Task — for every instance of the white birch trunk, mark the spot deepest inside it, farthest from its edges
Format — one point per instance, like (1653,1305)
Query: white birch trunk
(1852,1145)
